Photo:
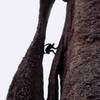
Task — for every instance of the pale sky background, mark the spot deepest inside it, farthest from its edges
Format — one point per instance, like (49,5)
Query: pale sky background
(18,22)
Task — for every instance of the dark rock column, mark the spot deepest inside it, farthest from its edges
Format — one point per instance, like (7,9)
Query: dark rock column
(27,83)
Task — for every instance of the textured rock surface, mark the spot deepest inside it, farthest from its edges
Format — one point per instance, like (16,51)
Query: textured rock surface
(27,83)
(80,64)
(82,77)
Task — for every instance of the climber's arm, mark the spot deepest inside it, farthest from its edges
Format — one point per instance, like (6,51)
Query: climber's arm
(47,44)
(54,48)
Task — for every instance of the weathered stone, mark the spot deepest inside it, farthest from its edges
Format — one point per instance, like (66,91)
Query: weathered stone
(27,83)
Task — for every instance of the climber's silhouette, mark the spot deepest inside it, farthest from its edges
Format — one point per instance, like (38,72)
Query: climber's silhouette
(50,48)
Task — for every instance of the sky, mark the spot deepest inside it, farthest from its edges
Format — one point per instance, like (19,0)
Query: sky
(18,23)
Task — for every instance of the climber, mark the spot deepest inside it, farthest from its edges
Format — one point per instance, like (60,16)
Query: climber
(50,48)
